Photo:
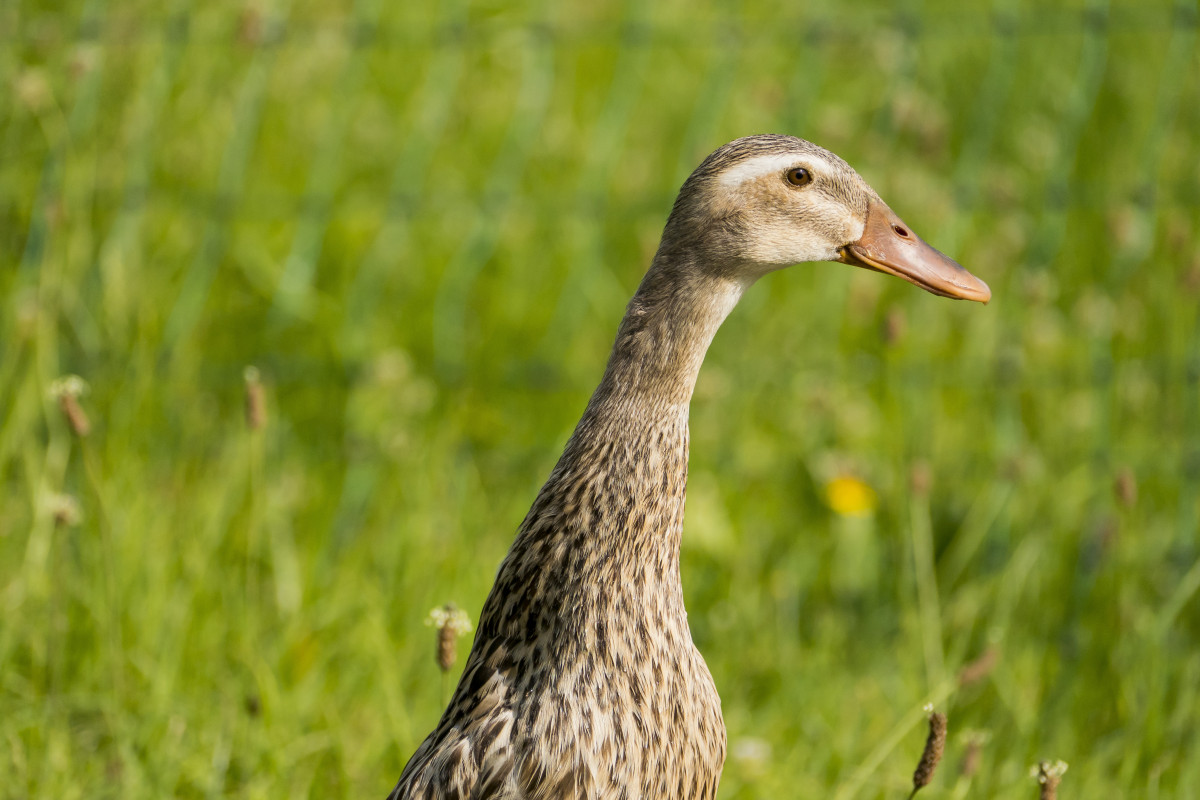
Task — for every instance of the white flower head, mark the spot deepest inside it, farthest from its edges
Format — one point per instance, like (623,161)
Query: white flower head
(1046,770)
(449,616)
(63,508)
(68,386)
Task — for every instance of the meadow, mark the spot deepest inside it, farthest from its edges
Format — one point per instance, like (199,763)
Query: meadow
(417,224)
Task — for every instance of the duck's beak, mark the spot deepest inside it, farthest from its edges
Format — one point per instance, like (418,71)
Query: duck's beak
(888,245)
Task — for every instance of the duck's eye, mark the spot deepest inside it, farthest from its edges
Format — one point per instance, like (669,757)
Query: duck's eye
(799,176)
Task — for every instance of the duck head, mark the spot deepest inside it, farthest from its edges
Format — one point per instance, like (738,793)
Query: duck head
(762,203)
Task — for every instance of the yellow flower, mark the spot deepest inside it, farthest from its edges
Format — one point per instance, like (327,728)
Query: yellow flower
(850,497)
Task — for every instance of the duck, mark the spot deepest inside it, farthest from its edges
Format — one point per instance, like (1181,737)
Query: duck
(583,681)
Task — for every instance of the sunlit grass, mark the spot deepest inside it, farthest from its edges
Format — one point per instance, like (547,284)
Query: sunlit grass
(420,223)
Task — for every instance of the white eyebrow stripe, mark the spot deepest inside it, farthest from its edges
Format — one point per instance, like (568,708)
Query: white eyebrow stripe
(757,167)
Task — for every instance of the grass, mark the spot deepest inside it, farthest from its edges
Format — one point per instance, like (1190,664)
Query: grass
(420,223)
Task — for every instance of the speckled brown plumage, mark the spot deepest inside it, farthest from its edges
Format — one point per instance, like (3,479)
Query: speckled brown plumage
(583,681)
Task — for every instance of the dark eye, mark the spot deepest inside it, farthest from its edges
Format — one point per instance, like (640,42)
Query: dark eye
(799,176)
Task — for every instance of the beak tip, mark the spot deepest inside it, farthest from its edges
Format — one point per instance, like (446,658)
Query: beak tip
(983,293)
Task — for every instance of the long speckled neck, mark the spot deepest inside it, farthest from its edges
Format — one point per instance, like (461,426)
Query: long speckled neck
(661,343)
(583,679)
(584,638)
(611,513)
(607,522)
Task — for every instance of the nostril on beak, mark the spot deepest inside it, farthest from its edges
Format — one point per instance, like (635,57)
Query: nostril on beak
(900,231)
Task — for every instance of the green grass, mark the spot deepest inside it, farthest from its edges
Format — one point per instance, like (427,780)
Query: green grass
(422,222)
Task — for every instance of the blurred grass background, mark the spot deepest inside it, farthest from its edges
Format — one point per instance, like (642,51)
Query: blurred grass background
(420,222)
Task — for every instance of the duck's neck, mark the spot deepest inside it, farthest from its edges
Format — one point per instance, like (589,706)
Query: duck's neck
(599,550)
(661,343)
(615,500)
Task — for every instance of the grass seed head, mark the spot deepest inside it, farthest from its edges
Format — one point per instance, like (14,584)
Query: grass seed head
(894,326)
(256,399)
(935,745)
(1125,488)
(67,390)
(920,477)
(64,509)
(451,622)
(975,740)
(980,668)
(1048,775)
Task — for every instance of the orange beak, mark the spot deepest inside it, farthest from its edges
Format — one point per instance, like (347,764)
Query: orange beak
(888,245)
